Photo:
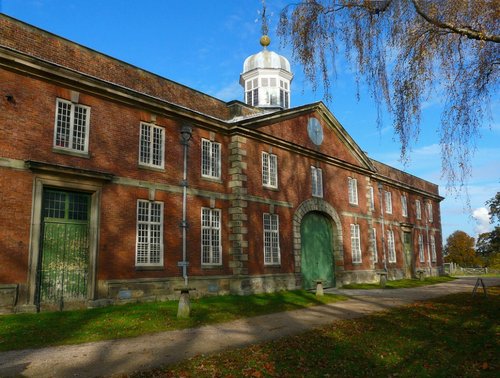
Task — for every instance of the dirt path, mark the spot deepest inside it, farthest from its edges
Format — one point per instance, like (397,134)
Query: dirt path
(112,357)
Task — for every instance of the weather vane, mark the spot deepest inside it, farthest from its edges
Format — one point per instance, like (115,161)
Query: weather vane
(265,27)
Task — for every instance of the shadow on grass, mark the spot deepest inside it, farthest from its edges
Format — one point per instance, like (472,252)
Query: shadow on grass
(361,346)
(78,326)
(400,284)
(209,310)
(449,336)
(152,349)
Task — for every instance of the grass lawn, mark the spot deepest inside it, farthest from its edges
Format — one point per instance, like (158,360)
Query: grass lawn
(401,284)
(21,331)
(452,336)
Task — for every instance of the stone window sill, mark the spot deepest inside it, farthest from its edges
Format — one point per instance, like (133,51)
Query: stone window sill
(149,268)
(64,151)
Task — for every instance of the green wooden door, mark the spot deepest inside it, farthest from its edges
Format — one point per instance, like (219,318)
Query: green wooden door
(317,256)
(63,270)
(408,261)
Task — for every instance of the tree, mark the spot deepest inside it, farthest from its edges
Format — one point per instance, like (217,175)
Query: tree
(406,51)
(488,243)
(494,208)
(459,249)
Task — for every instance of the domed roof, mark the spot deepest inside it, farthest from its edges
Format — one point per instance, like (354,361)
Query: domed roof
(266,59)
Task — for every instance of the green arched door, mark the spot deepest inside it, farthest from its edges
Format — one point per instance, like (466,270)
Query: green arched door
(317,256)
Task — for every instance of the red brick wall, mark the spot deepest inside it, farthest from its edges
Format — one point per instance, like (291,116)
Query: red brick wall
(15,220)
(256,240)
(195,180)
(27,129)
(113,138)
(406,178)
(294,186)
(295,131)
(118,234)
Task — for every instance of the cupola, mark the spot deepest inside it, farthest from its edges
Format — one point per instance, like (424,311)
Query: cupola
(266,78)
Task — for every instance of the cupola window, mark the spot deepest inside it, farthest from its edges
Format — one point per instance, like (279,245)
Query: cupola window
(252,93)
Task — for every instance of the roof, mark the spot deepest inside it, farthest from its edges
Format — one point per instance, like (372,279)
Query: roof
(266,59)
(38,43)
(405,178)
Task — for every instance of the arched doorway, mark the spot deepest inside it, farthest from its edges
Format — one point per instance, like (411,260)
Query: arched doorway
(317,261)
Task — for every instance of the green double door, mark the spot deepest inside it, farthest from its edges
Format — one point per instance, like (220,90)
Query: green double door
(408,254)
(316,244)
(63,269)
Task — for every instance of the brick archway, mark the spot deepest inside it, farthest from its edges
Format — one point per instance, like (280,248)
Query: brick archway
(318,205)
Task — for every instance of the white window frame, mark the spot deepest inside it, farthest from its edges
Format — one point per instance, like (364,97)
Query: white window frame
(352,184)
(391,246)
(284,94)
(149,155)
(430,215)
(67,124)
(270,226)
(404,205)
(418,209)
(317,182)
(373,238)
(252,92)
(421,248)
(211,244)
(269,170)
(388,202)
(146,229)
(210,159)
(371,202)
(355,244)
(433,249)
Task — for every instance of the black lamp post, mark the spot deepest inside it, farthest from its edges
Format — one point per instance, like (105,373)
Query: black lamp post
(186,135)
(184,308)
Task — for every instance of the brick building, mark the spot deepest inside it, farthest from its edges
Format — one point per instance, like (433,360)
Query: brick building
(275,197)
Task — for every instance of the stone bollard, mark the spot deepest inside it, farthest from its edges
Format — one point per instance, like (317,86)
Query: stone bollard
(383,280)
(319,289)
(184,305)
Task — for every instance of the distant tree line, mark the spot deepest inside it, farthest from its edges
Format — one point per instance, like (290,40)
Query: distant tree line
(461,249)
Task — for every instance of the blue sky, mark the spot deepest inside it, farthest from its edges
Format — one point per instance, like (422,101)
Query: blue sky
(203,43)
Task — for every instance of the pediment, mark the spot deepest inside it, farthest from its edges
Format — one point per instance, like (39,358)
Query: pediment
(291,127)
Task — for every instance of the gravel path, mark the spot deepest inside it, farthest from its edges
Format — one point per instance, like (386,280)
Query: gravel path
(114,357)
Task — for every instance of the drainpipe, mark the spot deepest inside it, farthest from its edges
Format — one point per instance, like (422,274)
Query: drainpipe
(186,134)
(383,228)
(428,244)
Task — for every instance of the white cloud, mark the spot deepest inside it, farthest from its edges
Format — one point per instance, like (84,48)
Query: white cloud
(432,149)
(233,91)
(423,161)
(482,220)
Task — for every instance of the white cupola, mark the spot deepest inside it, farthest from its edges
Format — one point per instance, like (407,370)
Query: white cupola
(266,78)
